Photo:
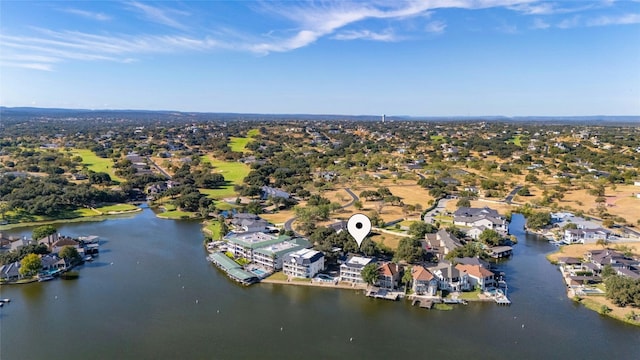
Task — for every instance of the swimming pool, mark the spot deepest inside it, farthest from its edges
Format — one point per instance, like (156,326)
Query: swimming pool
(259,272)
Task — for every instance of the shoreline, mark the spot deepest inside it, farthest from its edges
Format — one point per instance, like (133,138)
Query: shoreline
(590,304)
(312,284)
(409,297)
(101,217)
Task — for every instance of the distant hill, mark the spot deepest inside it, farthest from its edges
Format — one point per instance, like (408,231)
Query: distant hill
(78,114)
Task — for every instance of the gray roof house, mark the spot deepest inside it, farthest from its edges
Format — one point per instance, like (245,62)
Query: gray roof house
(441,243)
(476,217)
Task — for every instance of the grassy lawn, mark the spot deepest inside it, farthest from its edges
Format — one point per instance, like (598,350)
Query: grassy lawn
(176,215)
(117,208)
(221,205)
(253,133)
(213,228)
(516,140)
(233,173)
(279,276)
(469,295)
(238,144)
(96,163)
(437,137)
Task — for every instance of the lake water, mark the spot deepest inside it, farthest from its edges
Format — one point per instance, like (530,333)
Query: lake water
(151,294)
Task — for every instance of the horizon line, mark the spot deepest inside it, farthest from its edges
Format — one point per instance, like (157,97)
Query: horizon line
(388,116)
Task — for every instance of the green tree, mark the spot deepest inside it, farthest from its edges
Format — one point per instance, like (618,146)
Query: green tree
(369,273)
(69,254)
(419,229)
(607,271)
(42,232)
(490,237)
(358,205)
(30,265)
(463,202)
(410,250)
(407,278)
(537,220)
(602,242)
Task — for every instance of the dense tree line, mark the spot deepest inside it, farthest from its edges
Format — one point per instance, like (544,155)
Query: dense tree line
(51,196)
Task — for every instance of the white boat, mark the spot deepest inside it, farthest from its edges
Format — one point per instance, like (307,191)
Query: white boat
(45,278)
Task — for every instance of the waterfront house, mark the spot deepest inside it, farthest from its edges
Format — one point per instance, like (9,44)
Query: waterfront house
(388,275)
(270,256)
(423,282)
(62,242)
(478,276)
(476,217)
(51,262)
(562,219)
(304,263)
(584,236)
(617,260)
(245,222)
(232,269)
(440,243)
(350,271)
(10,272)
(266,250)
(450,278)
(498,252)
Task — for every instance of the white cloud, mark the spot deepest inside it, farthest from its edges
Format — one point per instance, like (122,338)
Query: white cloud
(305,23)
(540,24)
(160,15)
(626,19)
(366,35)
(436,27)
(88,14)
(579,21)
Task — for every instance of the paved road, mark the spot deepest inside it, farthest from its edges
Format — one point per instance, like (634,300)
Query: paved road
(166,174)
(440,208)
(513,192)
(289,223)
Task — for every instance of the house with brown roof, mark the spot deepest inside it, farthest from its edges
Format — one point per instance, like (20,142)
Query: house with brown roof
(389,275)
(62,242)
(450,278)
(423,282)
(478,276)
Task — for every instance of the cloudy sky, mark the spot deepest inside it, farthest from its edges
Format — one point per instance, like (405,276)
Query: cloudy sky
(422,58)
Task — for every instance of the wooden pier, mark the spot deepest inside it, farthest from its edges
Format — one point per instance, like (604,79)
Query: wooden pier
(378,293)
(423,303)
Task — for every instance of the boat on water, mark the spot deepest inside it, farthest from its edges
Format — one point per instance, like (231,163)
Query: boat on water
(5,300)
(88,258)
(45,278)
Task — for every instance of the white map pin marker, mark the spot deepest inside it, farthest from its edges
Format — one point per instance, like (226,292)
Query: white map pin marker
(359,226)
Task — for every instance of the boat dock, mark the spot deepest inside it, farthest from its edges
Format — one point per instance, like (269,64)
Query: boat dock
(385,294)
(502,300)
(424,303)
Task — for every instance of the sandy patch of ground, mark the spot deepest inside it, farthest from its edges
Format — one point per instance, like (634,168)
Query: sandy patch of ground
(579,250)
(279,217)
(388,240)
(620,202)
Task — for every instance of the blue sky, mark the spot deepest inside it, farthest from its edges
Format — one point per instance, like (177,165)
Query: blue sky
(420,58)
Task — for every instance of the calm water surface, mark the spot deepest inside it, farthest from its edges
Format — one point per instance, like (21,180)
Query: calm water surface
(152,295)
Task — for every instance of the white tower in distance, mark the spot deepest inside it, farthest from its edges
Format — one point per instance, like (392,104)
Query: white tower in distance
(384,117)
